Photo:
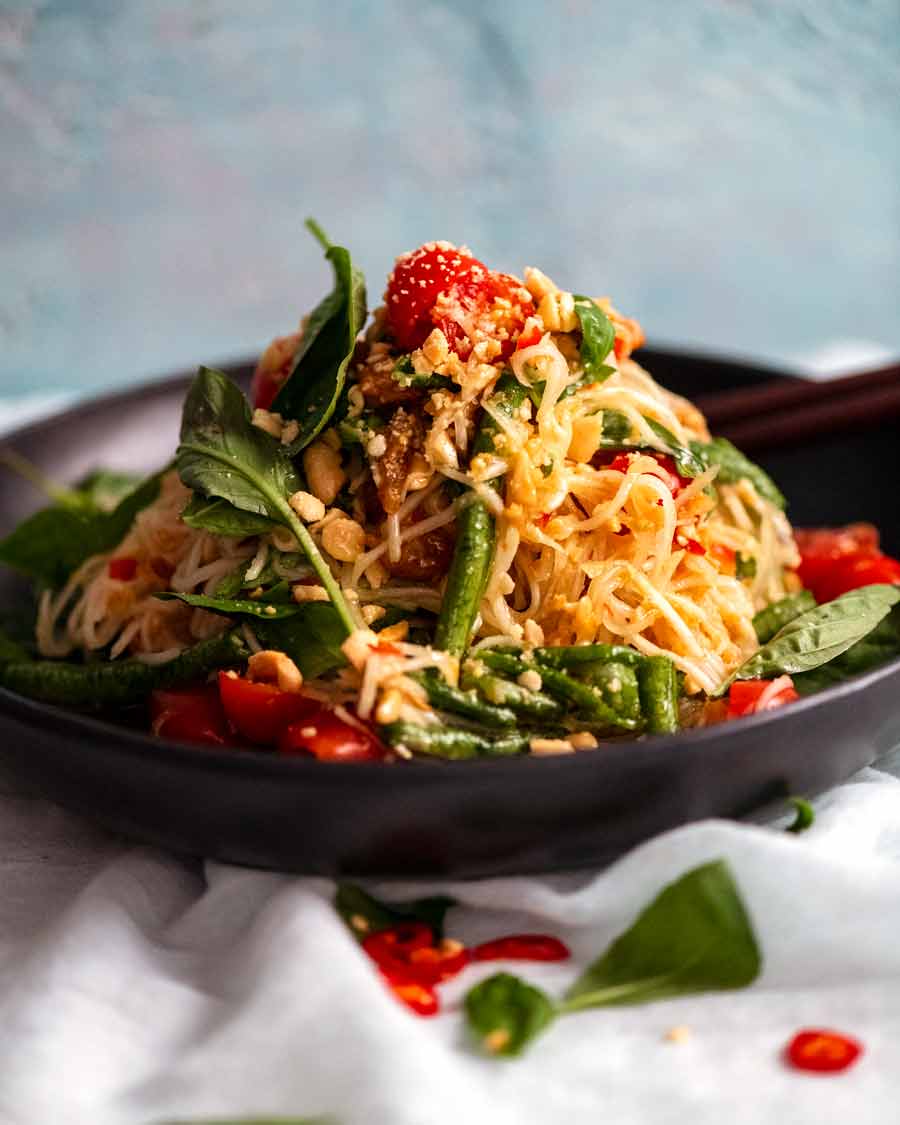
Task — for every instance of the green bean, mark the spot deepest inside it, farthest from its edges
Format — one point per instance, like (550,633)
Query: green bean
(774,617)
(119,683)
(658,686)
(587,702)
(506,693)
(569,658)
(473,555)
(467,703)
(618,684)
(467,577)
(451,743)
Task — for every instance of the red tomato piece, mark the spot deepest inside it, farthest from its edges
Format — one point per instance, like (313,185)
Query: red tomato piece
(529,339)
(122,569)
(750,697)
(834,560)
(440,270)
(822,1051)
(694,548)
(725,555)
(273,369)
(261,712)
(190,714)
(672,477)
(521,947)
(330,739)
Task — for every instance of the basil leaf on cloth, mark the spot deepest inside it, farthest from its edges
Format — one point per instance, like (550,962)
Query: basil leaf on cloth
(312,390)
(505,1013)
(366,915)
(819,635)
(694,937)
(223,455)
(597,337)
(734,466)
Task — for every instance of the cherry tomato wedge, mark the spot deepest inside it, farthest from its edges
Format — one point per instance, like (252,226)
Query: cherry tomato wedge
(669,474)
(273,369)
(438,272)
(190,714)
(822,1051)
(122,569)
(749,697)
(521,947)
(260,711)
(834,560)
(330,739)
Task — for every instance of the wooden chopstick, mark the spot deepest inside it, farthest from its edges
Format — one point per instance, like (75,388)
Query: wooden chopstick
(793,410)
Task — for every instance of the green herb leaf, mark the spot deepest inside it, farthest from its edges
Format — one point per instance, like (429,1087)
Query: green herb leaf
(819,635)
(311,637)
(805,815)
(406,376)
(314,386)
(687,464)
(694,937)
(223,455)
(734,466)
(744,567)
(768,621)
(221,518)
(597,338)
(600,375)
(54,542)
(505,1013)
(616,427)
(879,646)
(233,607)
(104,488)
(365,915)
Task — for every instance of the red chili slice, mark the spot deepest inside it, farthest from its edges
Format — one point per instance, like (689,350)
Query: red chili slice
(521,947)
(694,548)
(529,339)
(122,569)
(418,997)
(397,943)
(822,1051)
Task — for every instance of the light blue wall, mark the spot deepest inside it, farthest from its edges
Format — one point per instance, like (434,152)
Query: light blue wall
(729,171)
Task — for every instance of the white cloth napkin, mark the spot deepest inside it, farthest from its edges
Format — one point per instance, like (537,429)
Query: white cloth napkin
(136,987)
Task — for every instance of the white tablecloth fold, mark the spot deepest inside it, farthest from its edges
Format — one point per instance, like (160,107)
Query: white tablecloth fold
(136,987)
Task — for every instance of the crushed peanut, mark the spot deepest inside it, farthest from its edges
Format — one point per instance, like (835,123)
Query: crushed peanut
(308,507)
(270,666)
(269,421)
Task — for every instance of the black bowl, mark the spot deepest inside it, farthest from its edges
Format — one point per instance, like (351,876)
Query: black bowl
(462,819)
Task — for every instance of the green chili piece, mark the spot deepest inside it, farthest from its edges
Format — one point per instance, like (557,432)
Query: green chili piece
(658,686)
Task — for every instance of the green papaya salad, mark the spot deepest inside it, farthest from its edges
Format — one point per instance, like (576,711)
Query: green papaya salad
(468,525)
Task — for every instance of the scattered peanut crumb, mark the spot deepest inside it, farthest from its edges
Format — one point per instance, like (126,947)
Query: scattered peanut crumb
(359,923)
(308,507)
(269,421)
(496,1040)
(681,1033)
(530,679)
(548,746)
(583,740)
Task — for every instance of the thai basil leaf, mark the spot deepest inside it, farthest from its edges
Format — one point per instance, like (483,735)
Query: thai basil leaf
(365,915)
(54,542)
(744,566)
(311,392)
(311,637)
(221,518)
(804,815)
(687,464)
(104,488)
(234,607)
(819,635)
(879,646)
(768,621)
(734,466)
(599,375)
(505,1013)
(597,338)
(616,427)
(223,455)
(694,937)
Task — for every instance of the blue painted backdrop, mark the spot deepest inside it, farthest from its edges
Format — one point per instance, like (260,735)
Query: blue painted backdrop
(728,171)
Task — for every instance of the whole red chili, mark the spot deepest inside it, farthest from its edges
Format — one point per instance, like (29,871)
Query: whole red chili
(521,947)
(822,1051)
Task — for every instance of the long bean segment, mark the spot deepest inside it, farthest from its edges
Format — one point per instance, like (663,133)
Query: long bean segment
(586,701)
(618,684)
(571,658)
(454,744)
(469,703)
(505,693)
(119,684)
(473,555)
(658,685)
